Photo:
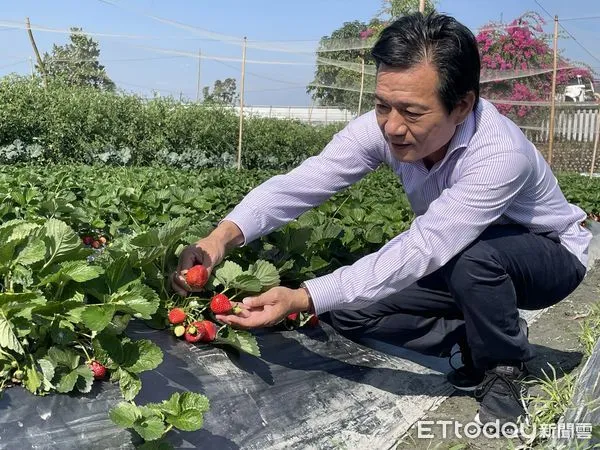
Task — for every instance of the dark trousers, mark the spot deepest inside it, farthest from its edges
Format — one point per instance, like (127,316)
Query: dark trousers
(474,297)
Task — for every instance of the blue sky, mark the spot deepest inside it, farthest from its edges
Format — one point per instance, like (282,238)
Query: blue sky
(155,56)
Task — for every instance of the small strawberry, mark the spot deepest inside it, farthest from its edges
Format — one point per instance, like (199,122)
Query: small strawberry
(98,369)
(210,331)
(179,330)
(292,316)
(18,374)
(196,277)
(220,304)
(194,332)
(177,315)
(313,321)
(96,244)
(102,240)
(87,240)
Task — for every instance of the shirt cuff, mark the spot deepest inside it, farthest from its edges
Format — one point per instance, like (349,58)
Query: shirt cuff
(246,222)
(325,293)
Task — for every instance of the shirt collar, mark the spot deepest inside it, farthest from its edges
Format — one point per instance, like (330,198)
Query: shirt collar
(463,134)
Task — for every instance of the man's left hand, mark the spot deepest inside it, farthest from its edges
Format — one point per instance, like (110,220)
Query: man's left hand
(268,308)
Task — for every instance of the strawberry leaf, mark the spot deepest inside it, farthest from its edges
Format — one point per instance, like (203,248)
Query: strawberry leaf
(8,339)
(33,252)
(187,420)
(228,272)
(97,317)
(61,241)
(242,340)
(85,380)
(67,381)
(139,300)
(66,358)
(125,414)
(192,400)
(129,383)
(266,273)
(150,356)
(150,429)
(247,283)
(32,380)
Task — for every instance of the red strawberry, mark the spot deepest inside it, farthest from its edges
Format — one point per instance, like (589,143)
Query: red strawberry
(96,244)
(220,304)
(210,331)
(292,316)
(194,332)
(87,240)
(98,369)
(177,315)
(313,321)
(197,276)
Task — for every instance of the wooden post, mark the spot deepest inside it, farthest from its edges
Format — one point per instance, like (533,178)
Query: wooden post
(35,50)
(362,83)
(199,87)
(595,141)
(422,6)
(239,164)
(553,94)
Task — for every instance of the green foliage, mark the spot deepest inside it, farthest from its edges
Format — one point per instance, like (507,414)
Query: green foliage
(337,80)
(223,93)
(63,124)
(76,63)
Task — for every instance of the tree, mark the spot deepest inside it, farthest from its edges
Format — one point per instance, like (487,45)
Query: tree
(223,93)
(398,8)
(342,54)
(518,60)
(77,63)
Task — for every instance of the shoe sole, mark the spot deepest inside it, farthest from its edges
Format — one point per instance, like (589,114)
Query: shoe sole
(465,389)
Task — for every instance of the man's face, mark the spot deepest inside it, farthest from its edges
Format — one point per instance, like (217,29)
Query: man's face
(411,114)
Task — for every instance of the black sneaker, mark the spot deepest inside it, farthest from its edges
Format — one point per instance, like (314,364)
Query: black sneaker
(502,395)
(468,377)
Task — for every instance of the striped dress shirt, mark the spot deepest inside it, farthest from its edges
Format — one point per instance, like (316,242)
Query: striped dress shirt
(491,174)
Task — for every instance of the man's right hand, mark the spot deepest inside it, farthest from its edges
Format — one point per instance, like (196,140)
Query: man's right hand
(208,251)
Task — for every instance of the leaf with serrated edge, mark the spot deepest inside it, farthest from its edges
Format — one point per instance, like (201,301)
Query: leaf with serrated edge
(32,379)
(130,384)
(193,400)
(242,340)
(188,420)
(150,429)
(228,272)
(246,283)
(97,317)
(47,370)
(60,239)
(85,380)
(266,272)
(124,414)
(66,383)
(150,356)
(8,339)
(33,252)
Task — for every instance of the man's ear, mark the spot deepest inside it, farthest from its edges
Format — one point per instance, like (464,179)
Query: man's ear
(463,108)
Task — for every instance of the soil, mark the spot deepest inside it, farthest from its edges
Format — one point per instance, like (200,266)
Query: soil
(555,336)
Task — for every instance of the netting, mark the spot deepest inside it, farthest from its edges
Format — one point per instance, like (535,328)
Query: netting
(327,80)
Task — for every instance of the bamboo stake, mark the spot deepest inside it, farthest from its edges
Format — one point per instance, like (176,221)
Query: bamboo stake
(199,88)
(239,162)
(35,50)
(553,98)
(422,6)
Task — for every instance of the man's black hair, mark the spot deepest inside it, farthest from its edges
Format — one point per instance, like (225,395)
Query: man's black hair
(437,39)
